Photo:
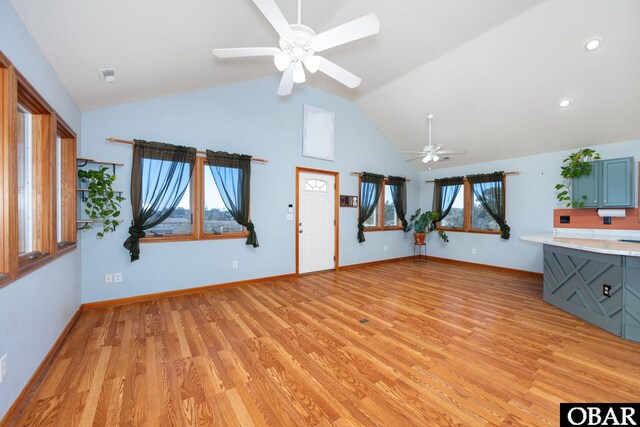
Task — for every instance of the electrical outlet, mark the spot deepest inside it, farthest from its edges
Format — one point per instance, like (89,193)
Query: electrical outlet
(606,290)
(117,277)
(234,264)
(473,251)
(3,368)
(108,278)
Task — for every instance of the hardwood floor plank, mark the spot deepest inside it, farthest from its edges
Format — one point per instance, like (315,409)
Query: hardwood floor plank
(443,344)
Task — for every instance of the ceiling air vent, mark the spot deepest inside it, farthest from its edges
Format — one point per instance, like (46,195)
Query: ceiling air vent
(107,75)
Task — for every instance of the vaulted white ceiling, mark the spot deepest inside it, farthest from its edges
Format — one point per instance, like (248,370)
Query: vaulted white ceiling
(491,71)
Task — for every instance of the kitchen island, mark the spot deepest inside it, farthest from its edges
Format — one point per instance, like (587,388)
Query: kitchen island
(594,275)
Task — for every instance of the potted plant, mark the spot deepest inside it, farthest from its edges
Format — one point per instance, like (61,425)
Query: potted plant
(574,166)
(424,223)
(101,204)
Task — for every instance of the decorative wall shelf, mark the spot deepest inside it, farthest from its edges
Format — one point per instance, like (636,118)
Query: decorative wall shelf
(86,190)
(83,161)
(85,222)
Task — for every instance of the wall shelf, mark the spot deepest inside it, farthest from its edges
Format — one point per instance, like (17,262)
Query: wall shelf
(86,222)
(86,190)
(83,161)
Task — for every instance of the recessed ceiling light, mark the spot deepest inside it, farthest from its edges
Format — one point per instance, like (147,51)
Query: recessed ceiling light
(592,44)
(565,102)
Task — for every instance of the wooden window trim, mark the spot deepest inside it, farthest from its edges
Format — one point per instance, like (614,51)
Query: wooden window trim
(69,197)
(14,90)
(380,213)
(467,215)
(8,180)
(43,129)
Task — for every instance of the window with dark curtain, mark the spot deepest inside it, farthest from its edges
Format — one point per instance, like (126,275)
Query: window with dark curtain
(160,174)
(370,188)
(398,187)
(232,174)
(489,191)
(445,193)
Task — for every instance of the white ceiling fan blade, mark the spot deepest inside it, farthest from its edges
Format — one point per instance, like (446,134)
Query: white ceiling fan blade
(345,77)
(240,52)
(286,82)
(365,26)
(415,157)
(452,152)
(270,10)
(414,152)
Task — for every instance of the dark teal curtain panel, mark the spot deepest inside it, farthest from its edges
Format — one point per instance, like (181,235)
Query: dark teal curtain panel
(232,175)
(160,174)
(489,190)
(370,188)
(398,187)
(445,193)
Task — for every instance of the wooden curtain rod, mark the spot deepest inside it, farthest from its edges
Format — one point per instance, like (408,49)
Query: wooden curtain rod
(360,173)
(465,178)
(204,153)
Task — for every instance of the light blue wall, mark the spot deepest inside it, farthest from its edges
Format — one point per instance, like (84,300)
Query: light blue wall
(246,118)
(530,203)
(35,309)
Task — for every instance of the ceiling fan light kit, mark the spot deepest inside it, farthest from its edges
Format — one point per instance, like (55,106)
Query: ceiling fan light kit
(299,45)
(431,153)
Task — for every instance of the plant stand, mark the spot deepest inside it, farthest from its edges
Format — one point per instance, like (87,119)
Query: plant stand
(417,252)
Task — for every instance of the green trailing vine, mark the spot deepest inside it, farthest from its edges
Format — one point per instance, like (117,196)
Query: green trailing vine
(575,166)
(101,202)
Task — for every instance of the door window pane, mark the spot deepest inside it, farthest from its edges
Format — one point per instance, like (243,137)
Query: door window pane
(217,219)
(455,219)
(315,185)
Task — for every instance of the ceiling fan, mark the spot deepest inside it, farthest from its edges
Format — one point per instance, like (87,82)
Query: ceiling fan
(433,153)
(299,45)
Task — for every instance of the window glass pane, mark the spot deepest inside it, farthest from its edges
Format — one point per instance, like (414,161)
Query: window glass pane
(390,217)
(154,174)
(179,222)
(217,219)
(58,188)
(480,218)
(455,219)
(373,219)
(25,179)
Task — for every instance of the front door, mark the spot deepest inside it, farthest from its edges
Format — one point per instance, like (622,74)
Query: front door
(316,221)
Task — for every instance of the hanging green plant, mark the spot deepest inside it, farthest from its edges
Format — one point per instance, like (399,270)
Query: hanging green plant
(101,202)
(575,166)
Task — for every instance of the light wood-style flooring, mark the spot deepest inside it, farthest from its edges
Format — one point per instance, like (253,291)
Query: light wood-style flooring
(443,345)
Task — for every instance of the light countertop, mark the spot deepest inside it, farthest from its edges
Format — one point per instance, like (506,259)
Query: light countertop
(600,241)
